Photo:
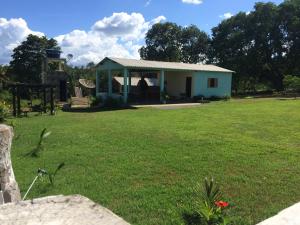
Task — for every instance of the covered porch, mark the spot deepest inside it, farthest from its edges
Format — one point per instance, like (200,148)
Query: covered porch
(125,84)
(118,80)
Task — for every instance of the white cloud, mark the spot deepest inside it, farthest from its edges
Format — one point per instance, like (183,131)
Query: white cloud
(12,33)
(194,2)
(120,35)
(148,2)
(226,15)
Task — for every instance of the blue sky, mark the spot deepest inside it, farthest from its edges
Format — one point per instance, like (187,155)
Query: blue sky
(61,17)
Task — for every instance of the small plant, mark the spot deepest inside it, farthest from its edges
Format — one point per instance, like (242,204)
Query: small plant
(4,111)
(40,146)
(42,173)
(53,175)
(96,101)
(164,97)
(211,210)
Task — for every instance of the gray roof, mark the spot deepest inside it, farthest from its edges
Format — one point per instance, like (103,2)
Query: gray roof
(147,64)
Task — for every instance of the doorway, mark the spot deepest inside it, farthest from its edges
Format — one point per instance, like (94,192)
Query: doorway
(188,87)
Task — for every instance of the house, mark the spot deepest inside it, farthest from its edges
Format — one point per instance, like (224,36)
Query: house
(178,80)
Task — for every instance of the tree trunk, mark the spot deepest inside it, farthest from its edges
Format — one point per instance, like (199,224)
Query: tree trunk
(8,184)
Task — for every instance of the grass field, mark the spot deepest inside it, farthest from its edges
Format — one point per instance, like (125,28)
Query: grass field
(144,164)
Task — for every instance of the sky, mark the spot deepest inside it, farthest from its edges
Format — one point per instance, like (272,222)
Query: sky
(94,29)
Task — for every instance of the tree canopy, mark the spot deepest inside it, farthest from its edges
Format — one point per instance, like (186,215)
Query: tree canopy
(27,58)
(170,42)
(261,46)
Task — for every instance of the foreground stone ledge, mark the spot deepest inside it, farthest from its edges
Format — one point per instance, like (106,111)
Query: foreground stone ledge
(58,210)
(288,216)
(8,184)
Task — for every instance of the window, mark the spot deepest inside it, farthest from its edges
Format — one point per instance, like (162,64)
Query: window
(212,83)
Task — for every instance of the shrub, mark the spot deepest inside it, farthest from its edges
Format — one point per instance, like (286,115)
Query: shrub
(164,96)
(215,98)
(96,101)
(4,111)
(291,83)
(5,96)
(198,98)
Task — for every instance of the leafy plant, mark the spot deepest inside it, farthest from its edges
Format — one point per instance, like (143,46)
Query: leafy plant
(291,83)
(40,145)
(164,96)
(53,175)
(4,111)
(211,209)
(42,173)
(96,101)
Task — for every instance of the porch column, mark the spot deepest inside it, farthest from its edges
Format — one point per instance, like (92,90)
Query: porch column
(162,83)
(109,83)
(125,91)
(97,82)
(129,82)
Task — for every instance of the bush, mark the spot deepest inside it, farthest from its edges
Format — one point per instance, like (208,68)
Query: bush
(198,98)
(218,98)
(4,111)
(5,96)
(291,83)
(96,101)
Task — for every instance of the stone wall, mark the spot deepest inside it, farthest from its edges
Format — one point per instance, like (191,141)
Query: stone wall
(58,210)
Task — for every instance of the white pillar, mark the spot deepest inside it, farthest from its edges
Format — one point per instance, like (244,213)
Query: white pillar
(162,83)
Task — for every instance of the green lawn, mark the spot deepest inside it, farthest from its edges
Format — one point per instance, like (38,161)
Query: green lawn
(144,164)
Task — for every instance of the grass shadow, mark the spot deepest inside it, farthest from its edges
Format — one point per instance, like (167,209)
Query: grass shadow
(96,109)
(191,218)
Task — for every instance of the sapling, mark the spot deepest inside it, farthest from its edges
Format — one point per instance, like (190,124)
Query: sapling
(40,145)
(41,173)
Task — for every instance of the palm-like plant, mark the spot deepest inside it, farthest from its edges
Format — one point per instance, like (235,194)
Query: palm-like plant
(40,145)
(210,209)
(52,175)
(211,192)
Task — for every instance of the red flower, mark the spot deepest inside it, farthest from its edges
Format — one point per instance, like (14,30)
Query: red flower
(221,204)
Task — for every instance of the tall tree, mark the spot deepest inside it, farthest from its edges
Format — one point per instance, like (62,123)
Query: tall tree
(170,42)
(195,45)
(162,43)
(231,43)
(289,17)
(27,58)
(261,46)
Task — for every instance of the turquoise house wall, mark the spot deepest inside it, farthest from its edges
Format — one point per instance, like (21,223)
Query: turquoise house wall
(109,65)
(200,81)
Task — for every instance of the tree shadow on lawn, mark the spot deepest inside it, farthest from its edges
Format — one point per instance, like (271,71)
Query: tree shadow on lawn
(96,109)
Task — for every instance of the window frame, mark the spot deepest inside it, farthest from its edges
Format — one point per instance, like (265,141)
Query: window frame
(215,82)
